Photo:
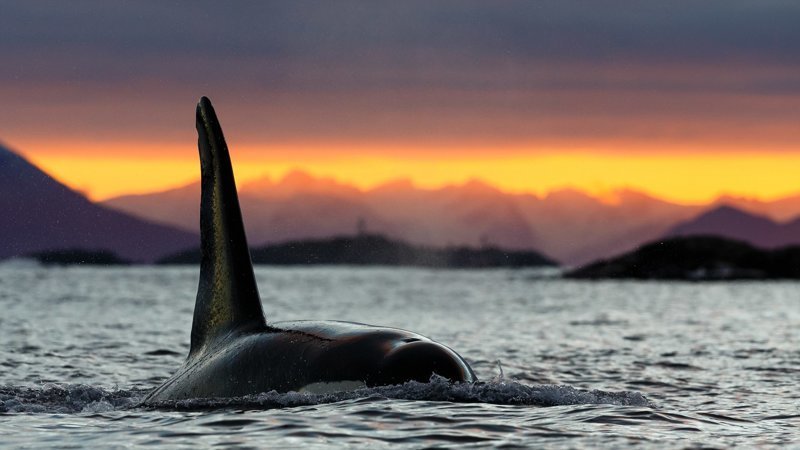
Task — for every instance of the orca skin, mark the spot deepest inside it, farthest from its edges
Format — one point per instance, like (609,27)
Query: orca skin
(235,352)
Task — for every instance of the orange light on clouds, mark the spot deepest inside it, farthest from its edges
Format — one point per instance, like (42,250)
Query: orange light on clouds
(683,176)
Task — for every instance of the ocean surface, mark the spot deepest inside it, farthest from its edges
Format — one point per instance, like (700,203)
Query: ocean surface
(563,363)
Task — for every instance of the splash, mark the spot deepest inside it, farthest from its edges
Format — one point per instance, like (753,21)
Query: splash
(80,398)
(500,392)
(65,399)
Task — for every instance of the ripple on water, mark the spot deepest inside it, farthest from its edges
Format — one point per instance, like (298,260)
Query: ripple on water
(78,398)
(714,364)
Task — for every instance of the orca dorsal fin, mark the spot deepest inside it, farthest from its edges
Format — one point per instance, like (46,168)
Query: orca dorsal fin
(227,296)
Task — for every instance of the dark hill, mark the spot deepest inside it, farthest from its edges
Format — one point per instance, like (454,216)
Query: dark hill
(377,250)
(37,213)
(78,256)
(697,258)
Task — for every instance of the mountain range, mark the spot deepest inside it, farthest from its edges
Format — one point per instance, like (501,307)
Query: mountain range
(567,225)
(37,213)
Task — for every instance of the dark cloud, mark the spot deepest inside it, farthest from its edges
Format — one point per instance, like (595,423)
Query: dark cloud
(465,69)
(121,39)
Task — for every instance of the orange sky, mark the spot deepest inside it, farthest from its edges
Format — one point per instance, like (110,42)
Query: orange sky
(686,145)
(684,177)
(684,103)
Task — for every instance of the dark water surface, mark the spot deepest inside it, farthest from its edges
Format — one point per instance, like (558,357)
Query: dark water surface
(584,364)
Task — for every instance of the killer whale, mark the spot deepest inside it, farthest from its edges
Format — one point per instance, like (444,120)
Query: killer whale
(235,352)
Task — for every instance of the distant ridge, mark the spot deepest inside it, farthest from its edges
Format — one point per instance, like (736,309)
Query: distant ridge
(780,210)
(568,225)
(78,257)
(377,250)
(574,228)
(733,223)
(37,213)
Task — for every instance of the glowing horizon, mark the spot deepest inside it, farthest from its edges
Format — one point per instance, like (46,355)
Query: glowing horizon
(679,177)
(684,104)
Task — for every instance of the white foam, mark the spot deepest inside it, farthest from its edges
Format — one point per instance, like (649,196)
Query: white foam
(79,398)
(438,389)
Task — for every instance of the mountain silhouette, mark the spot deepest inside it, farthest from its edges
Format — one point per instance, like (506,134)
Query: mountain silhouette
(301,207)
(779,210)
(41,214)
(733,223)
(470,214)
(297,181)
(275,211)
(576,228)
(567,225)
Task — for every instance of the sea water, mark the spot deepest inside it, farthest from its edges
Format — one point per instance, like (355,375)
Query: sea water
(562,362)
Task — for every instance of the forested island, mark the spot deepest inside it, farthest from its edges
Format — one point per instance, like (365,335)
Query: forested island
(697,258)
(78,256)
(377,250)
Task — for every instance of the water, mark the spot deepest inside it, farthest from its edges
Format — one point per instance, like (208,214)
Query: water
(584,364)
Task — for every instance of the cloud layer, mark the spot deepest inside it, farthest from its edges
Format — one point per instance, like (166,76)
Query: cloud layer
(411,77)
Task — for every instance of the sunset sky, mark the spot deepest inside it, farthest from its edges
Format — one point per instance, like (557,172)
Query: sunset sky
(682,99)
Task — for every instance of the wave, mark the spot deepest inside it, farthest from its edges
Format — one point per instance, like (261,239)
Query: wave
(67,398)
(80,398)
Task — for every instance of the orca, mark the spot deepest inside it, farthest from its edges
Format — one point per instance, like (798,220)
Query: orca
(235,352)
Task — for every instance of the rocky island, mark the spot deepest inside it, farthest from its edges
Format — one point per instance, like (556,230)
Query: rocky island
(697,258)
(371,249)
(78,256)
